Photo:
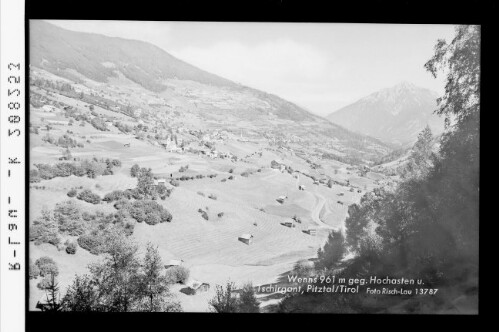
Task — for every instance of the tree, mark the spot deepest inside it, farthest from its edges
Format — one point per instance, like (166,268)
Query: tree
(332,252)
(134,171)
(224,300)
(455,181)
(118,277)
(82,295)
(154,285)
(247,300)
(421,158)
(53,296)
(145,184)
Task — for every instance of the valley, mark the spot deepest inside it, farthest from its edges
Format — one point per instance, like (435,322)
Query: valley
(233,160)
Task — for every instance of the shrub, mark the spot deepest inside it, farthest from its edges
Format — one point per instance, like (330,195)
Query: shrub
(89,197)
(204,214)
(47,266)
(116,162)
(44,283)
(177,274)
(134,171)
(174,183)
(223,180)
(34,270)
(113,196)
(150,212)
(231,177)
(183,168)
(72,192)
(67,215)
(231,170)
(245,174)
(212,196)
(200,193)
(220,215)
(99,124)
(71,248)
(34,176)
(41,234)
(91,243)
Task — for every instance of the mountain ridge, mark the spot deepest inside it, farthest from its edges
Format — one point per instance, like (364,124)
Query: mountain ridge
(395,114)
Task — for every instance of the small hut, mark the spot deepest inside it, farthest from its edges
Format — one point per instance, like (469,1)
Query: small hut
(281,199)
(301,187)
(173,262)
(246,238)
(194,287)
(160,182)
(312,231)
(289,224)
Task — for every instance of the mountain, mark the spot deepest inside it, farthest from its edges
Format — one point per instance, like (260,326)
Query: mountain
(159,82)
(99,57)
(395,115)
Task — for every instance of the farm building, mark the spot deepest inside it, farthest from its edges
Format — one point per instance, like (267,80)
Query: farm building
(246,238)
(281,199)
(289,224)
(160,182)
(194,287)
(312,231)
(173,262)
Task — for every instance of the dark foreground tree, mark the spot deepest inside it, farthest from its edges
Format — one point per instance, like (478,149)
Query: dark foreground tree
(82,295)
(332,252)
(225,300)
(428,226)
(53,296)
(247,301)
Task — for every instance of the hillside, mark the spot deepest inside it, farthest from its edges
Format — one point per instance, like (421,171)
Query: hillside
(129,74)
(99,57)
(395,115)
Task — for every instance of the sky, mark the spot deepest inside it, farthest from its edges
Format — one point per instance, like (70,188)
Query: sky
(319,66)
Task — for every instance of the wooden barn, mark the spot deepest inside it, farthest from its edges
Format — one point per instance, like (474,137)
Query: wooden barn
(281,199)
(246,238)
(160,182)
(194,287)
(289,224)
(312,231)
(173,262)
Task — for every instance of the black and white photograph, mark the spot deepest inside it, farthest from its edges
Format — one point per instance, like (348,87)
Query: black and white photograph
(253,167)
